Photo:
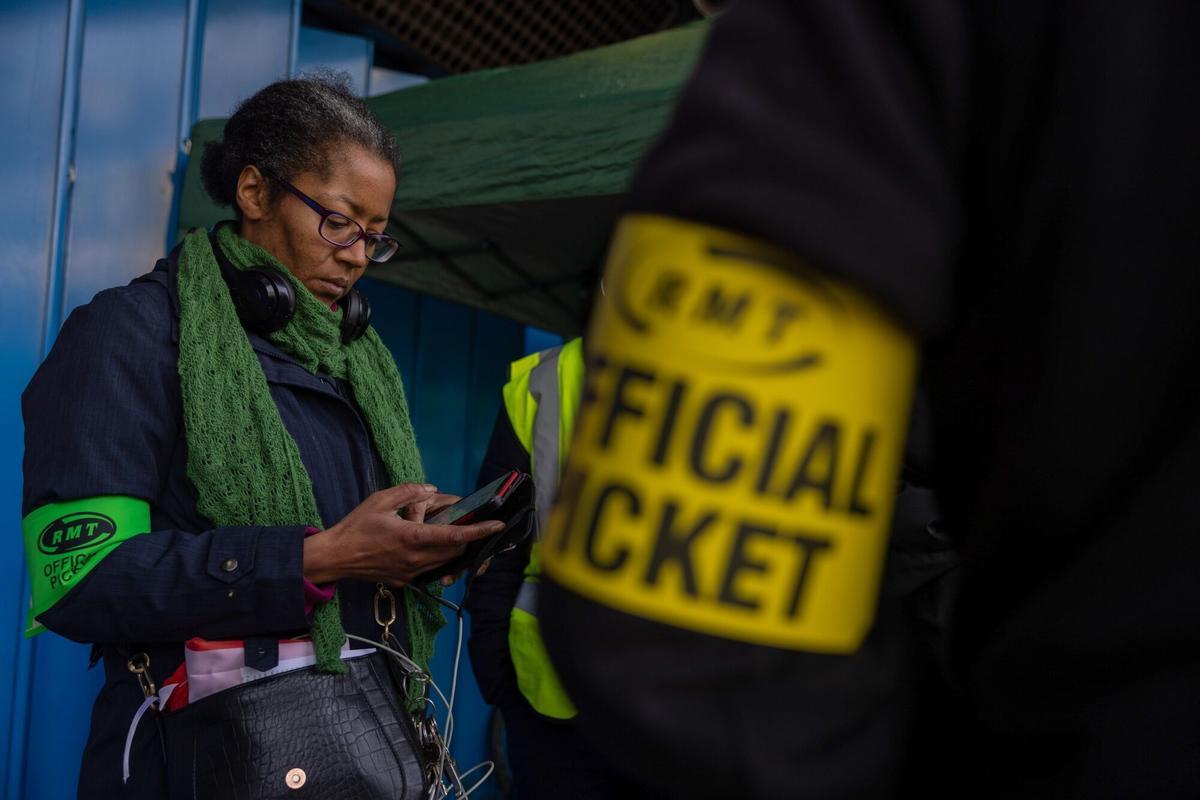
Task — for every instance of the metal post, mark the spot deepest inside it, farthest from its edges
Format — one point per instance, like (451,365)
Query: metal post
(189,102)
(64,179)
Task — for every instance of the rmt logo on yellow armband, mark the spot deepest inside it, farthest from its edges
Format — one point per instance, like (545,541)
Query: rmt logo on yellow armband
(733,468)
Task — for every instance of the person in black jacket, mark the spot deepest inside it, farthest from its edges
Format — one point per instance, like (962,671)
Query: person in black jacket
(555,757)
(133,540)
(1009,188)
(547,757)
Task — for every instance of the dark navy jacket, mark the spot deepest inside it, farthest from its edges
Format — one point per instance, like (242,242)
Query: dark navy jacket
(103,415)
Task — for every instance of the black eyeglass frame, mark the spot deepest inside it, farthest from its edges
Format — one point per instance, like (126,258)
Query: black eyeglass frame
(378,239)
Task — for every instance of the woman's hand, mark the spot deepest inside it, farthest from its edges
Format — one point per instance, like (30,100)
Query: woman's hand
(417,511)
(374,543)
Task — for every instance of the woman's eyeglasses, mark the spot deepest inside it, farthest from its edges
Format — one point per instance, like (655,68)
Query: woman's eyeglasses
(341,231)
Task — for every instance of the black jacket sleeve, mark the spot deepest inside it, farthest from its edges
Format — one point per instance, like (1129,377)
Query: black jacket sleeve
(835,129)
(490,596)
(830,128)
(103,416)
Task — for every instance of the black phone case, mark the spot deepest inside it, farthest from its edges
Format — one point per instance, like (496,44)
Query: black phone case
(517,513)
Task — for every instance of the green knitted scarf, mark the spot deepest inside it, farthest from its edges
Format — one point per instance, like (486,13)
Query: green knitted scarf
(244,464)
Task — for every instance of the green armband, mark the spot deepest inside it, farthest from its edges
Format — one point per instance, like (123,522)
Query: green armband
(65,541)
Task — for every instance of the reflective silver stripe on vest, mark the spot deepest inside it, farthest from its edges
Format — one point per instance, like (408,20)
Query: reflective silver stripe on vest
(543,385)
(527,597)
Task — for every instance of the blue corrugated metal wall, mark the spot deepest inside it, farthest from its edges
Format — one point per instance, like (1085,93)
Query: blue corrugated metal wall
(98,97)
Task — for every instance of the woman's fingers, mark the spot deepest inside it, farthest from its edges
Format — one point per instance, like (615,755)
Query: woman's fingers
(416,511)
(439,502)
(399,546)
(458,535)
(397,497)
(450,579)
(424,509)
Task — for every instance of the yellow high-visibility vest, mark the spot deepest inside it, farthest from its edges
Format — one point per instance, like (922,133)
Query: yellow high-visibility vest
(541,399)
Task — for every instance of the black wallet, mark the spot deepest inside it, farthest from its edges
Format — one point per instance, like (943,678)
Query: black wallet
(508,498)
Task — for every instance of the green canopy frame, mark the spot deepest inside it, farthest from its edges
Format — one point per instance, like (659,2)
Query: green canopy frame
(511,179)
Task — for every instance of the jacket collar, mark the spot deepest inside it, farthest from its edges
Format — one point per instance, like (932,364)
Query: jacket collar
(278,366)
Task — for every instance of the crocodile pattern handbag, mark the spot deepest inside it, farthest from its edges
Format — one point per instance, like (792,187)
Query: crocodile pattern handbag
(298,734)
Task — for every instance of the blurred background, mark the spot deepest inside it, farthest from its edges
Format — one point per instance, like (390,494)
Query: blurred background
(519,123)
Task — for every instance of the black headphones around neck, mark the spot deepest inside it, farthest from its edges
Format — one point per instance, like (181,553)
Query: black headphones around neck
(266,300)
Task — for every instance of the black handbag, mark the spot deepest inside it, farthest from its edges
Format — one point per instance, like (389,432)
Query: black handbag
(298,734)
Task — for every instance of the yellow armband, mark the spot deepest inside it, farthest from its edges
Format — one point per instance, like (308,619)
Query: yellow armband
(734,464)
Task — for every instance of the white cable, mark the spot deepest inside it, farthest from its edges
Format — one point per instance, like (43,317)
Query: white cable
(478,766)
(491,767)
(454,681)
(448,762)
(159,700)
(408,662)
(133,726)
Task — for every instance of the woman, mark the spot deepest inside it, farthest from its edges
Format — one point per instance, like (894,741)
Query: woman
(219,482)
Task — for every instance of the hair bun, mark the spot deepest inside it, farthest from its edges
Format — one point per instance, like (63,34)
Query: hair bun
(290,127)
(214,173)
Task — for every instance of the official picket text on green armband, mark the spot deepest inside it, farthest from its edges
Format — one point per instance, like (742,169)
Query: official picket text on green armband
(65,541)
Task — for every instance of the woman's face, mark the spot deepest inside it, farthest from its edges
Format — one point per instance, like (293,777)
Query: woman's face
(359,185)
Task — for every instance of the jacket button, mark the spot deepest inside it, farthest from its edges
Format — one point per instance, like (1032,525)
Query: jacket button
(229,564)
(295,778)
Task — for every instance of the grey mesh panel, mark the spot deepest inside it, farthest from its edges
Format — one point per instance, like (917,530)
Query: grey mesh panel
(527,597)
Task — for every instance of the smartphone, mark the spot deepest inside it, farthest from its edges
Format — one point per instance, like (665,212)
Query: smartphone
(509,498)
(477,505)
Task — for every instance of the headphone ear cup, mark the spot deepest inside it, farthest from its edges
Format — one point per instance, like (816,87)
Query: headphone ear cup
(265,300)
(356,315)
